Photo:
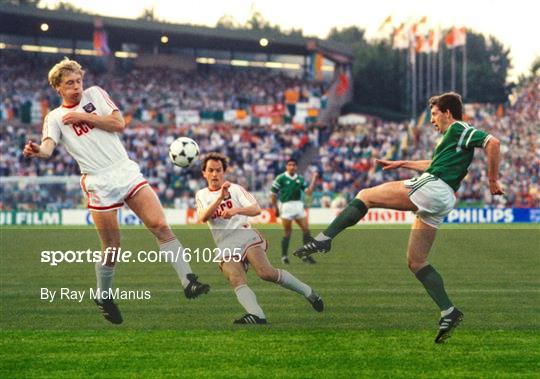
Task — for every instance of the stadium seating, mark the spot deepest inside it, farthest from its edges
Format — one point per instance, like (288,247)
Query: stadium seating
(150,99)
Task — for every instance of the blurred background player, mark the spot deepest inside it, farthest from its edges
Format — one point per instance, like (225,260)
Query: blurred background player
(430,195)
(290,187)
(226,207)
(89,123)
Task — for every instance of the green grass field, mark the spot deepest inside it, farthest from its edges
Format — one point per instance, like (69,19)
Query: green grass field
(378,321)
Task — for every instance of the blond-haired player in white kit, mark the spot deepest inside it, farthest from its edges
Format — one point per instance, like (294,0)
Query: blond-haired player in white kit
(89,123)
(226,207)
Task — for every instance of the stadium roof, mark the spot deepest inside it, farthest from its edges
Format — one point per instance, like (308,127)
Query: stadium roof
(26,21)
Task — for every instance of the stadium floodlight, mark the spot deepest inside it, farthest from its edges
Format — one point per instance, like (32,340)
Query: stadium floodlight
(44,27)
(263,42)
(164,39)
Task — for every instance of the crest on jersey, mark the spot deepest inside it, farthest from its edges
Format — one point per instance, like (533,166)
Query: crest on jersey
(89,108)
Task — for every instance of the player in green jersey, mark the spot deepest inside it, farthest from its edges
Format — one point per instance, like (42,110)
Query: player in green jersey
(290,188)
(430,196)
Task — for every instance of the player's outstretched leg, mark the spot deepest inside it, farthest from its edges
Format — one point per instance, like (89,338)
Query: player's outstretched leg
(392,195)
(258,259)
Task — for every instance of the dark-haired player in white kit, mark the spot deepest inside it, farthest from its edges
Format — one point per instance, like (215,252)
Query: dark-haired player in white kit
(226,207)
(89,123)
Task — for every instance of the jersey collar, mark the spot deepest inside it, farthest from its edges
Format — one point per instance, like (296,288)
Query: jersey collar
(289,176)
(70,106)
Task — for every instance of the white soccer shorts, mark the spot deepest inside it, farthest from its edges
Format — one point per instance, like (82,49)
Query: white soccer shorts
(292,210)
(108,188)
(433,197)
(236,245)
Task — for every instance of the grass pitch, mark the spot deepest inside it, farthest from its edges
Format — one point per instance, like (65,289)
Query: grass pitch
(378,321)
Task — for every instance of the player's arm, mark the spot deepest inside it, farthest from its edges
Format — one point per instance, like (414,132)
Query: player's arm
(43,151)
(250,211)
(273,201)
(309,190)
(111,123)
(493,152)
(420,166)
(205,214)
(248,204)
(276,186)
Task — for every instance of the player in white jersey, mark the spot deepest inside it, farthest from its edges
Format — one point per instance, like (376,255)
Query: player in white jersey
(226,208)
(89,123)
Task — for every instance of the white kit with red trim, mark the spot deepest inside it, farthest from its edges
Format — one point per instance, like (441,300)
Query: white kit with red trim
(235,232)
(109,176)
(94,149)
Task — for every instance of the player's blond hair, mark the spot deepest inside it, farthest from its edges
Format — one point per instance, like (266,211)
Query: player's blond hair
(65,66)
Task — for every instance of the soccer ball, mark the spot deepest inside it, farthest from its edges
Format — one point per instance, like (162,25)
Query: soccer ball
(183,152)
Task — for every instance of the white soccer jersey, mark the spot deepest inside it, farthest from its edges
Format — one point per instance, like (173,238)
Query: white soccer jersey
(221,228)
(94,149)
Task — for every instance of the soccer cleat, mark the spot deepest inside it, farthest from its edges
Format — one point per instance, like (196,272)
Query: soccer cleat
(313,247)
(316,301)
(285,260)
(248,318)
(109,310)
(447,324)
(195,288)
(309,260)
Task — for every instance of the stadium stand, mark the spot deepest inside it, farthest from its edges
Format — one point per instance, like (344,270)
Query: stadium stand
(151,99)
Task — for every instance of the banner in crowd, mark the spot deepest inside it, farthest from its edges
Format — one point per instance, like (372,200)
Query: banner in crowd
(187,117)
(320,216)
(264,110)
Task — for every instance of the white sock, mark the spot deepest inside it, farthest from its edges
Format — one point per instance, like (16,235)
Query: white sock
(287,280)
(172,252)
(322,237)
(447,312)
(247,298)
(104,276)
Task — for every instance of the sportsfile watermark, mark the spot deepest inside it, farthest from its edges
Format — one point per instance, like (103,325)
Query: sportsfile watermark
(113,254)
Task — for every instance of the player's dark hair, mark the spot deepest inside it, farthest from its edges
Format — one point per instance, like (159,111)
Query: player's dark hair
(448,101)
(292,160)
(215,157)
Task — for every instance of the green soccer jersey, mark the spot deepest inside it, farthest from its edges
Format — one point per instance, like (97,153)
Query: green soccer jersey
(289,188)
(455,152)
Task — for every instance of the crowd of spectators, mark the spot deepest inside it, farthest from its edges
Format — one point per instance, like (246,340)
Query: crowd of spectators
(347,165)
(150,97)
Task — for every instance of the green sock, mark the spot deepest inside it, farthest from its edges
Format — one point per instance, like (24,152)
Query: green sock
(433,283)
(348,217)
(285,246)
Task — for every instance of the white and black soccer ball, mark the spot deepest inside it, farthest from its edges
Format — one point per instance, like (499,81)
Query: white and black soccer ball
(183,152)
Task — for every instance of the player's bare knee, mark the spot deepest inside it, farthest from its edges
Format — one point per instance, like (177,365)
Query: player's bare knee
(415,264)
(236,279)
(268,274)
(363,195)
(159,228)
